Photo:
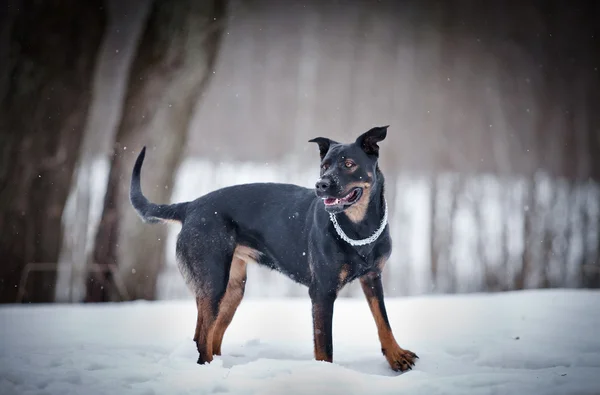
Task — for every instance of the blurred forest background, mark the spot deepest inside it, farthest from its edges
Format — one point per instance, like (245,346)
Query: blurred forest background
(492,160)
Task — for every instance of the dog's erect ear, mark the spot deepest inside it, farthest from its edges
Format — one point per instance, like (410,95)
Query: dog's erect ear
(324,144)
(368,140)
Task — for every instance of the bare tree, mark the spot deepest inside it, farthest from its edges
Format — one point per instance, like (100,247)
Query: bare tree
(45,91)
(173,64)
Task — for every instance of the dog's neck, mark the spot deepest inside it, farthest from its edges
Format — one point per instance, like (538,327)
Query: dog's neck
(373,215)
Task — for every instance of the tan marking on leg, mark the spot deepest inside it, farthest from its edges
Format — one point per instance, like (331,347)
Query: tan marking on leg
(246,254)
(230,302)
(381,263)
(204,329)
(385,334)
(397,357)
(344,271)
(319,337)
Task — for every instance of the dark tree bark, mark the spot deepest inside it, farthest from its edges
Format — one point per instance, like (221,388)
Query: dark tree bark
(173,64)
(45,91)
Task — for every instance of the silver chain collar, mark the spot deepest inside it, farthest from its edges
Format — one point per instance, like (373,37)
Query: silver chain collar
(369,239)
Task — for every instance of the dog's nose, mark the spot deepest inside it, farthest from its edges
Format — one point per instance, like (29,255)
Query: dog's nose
(323,185)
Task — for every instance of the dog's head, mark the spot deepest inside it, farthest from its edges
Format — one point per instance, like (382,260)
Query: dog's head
(348,172)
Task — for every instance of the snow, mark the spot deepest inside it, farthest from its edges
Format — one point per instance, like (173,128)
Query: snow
(529,342)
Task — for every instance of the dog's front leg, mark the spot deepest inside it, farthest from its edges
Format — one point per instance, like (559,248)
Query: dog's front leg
(322,311)
(397,357)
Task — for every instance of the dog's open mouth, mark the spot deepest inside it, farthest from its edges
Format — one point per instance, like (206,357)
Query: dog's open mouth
(343,202)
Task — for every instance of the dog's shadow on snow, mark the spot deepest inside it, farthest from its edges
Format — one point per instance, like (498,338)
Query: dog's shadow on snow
(255,350)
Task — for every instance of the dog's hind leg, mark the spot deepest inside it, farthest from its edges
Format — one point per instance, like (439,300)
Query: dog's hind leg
(230,302)
(207,276)
(204,328)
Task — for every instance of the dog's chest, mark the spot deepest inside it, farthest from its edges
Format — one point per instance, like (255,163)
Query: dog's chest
(364,259)
(366,256)
(358,265)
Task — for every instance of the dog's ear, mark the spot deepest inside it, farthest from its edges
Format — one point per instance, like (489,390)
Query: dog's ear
(324,144)
(368,140)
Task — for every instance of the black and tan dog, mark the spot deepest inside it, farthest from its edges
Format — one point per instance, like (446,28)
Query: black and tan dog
(322,240)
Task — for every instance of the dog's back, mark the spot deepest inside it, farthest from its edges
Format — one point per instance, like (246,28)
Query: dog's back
(269,218)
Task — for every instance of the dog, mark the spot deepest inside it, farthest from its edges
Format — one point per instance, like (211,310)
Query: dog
(322,238)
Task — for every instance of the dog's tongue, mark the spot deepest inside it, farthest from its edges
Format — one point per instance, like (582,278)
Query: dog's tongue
(330,201)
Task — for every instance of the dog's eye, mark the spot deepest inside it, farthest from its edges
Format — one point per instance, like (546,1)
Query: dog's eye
(349,164)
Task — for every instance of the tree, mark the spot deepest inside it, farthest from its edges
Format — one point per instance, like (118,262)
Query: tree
(45,91)
(173,64)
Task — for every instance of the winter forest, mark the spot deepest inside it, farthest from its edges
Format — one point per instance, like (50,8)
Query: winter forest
(492,160)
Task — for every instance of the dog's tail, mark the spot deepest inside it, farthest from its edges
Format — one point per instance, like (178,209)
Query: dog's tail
(150,212)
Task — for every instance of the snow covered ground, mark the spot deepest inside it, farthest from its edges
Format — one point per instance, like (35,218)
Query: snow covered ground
(533,342)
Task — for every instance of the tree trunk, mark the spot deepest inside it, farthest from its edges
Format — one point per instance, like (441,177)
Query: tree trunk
(45,92)
(434,245)
(523,275)
(172,66)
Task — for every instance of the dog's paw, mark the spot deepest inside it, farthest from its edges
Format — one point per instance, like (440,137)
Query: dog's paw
(400,360)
